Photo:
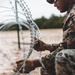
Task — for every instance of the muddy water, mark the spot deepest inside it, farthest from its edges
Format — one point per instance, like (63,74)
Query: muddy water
(9,51)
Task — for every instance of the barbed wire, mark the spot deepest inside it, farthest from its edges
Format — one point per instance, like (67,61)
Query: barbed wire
(33,28)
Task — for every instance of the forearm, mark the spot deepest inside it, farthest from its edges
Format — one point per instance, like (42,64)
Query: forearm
(48,47)
(37,63)
(52,47)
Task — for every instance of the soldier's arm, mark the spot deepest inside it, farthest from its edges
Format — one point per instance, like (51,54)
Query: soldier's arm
(70,40)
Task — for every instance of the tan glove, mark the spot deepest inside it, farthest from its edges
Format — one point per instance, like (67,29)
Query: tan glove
(29,66)
(40,45)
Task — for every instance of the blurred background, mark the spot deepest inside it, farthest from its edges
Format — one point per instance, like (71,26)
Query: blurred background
(15,24)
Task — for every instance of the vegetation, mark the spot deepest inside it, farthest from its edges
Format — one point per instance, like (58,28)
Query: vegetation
(43,23)
(52,22)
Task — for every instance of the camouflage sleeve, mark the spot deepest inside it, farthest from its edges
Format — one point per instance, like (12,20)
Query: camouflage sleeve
(70,40)
(54,47)
(70,35)
(48,62)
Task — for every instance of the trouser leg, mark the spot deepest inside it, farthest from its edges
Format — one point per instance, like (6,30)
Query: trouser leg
(65,62)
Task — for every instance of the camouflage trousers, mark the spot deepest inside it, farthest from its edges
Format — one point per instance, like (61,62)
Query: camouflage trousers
(62,64)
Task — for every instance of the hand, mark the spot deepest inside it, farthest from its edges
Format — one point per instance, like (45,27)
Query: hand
(39,45)
(29,66)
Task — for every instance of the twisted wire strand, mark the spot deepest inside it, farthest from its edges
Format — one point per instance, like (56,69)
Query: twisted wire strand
(27,13)
(24,51)
(5,7)
(6,26)
(34,30)
(12,5)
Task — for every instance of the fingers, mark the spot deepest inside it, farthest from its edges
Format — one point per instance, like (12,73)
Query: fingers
(28,67)
(18,66)
(35,38)
(15,68)
(19,61)
(36,44)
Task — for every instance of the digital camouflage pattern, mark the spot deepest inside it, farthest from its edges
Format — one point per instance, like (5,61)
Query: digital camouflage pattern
(63,54)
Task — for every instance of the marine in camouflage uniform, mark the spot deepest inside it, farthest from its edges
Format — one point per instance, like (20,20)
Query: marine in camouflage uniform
(63,54)
(61,60)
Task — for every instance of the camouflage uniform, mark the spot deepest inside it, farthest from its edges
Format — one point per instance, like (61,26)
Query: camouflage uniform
(63,54)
